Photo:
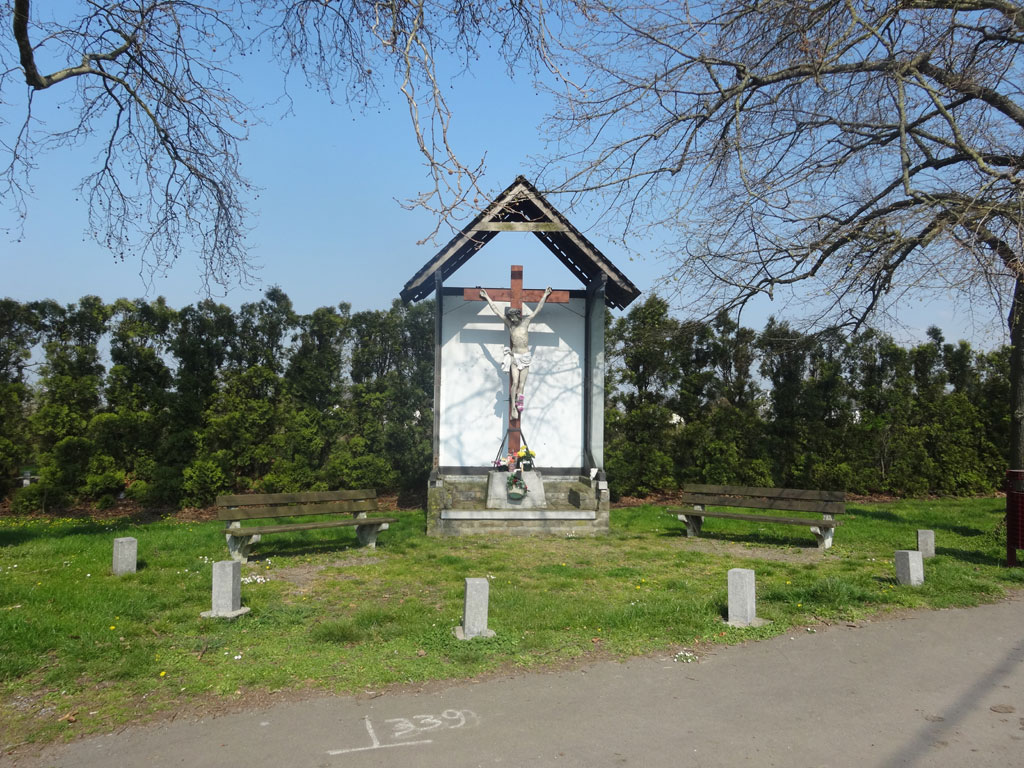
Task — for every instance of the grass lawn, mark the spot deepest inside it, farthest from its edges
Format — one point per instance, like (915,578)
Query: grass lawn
(83,651)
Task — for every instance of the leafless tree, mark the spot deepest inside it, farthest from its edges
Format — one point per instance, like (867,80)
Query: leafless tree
(150,86)
(861,149)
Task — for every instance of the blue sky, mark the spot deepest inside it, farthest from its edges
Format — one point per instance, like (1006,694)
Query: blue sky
(327,227)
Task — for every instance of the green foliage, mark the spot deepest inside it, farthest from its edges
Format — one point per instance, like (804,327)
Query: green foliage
(202,481)
(636,453)
(33,498)
(66,466)
(352,464)
(103,478)
(204,399)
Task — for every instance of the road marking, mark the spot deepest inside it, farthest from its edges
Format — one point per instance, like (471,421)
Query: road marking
(376,742)
(403,727)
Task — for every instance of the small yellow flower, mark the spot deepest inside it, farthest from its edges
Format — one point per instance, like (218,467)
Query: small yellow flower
(799,605)
(163,674)
(113,627)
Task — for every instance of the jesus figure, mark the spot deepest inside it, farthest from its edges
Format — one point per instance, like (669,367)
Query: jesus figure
(517,357)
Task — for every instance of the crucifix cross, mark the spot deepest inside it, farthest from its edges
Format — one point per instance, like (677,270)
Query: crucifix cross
(515,295)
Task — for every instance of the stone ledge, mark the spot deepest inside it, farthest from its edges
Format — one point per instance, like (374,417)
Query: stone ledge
(518,514)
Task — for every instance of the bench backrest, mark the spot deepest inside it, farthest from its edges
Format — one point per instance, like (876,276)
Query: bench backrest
(253,506)
(793,499)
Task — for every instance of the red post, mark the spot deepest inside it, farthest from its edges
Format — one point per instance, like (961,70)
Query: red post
(514,429)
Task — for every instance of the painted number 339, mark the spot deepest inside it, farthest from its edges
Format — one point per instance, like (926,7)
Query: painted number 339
(451,718)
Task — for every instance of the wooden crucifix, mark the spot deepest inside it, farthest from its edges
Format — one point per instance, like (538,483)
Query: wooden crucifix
(517,357)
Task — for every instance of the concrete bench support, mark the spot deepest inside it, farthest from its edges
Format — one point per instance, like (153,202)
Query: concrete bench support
(474,611)
(823,535)
(367,534)
(240,547)
(909,567)
(227,591)
(126,552)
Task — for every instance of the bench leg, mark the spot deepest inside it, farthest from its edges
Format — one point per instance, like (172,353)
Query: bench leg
(367,534)
(240,546)
(693,522)
(823,535)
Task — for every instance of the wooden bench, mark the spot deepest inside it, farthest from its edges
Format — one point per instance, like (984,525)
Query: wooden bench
(827,503)
(260,506)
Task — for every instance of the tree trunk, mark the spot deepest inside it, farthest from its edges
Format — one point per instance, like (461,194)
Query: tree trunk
(1016,321)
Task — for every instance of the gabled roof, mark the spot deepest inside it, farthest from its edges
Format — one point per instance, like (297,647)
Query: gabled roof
(521,208)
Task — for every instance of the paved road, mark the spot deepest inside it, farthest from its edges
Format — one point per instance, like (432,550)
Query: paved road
(941,688)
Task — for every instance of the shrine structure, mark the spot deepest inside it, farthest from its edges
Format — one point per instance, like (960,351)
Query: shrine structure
(483,478)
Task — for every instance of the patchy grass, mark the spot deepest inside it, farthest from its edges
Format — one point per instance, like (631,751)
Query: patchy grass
(84,651)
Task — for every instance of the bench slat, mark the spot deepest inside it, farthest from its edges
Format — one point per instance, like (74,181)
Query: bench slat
(262,529)
(267,499)
(793,505)
(809,521)
(775,493)
(295,510)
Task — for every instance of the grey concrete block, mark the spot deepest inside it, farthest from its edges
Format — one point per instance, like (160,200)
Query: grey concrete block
(742,597)
(227,591)
(909,567)
(126,550)
(926,544)
(474,611)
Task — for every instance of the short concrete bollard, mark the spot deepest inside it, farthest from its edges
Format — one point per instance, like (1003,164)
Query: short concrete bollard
(743,600)
(926,544)
(909,567)
(474,611)
(126,550)
(227,591)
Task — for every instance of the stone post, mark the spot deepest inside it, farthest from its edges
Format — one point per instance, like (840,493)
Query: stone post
(926,544)
(126,551)
(474,611)
(227,591)
(909,567)
(742,599)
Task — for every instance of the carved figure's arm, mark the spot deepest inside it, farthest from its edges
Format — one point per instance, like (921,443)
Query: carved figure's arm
(492,305)
(540,305)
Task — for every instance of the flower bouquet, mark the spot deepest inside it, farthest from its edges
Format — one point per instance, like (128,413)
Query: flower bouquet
(524,459)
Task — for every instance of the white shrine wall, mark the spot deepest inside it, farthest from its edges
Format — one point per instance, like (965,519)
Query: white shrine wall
(473,398)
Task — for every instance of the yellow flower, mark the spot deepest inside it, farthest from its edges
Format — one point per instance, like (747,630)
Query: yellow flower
(113,627)
(162,674)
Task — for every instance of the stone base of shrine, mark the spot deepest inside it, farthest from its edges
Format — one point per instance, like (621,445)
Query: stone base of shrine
(466,504)
(498,497)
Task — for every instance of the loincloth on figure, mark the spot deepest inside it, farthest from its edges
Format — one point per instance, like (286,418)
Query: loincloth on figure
(521,361)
